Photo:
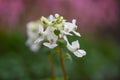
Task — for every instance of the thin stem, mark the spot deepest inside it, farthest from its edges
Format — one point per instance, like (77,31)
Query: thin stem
(52,67)
(62,64)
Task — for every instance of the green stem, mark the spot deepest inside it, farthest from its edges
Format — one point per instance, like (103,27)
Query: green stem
(62,64)
(52,67)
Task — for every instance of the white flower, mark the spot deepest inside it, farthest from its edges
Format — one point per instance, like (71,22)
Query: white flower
(70,27)
(47,30)
(75,48)
(51,37)
(32,32)
(41,34)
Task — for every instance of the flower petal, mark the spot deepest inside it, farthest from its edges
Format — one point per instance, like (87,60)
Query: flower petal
(49,45)
(68,27)
(51,18)
(41,28)
(39,40)
(35,47)
(65,38)
(67,33)
(74,21)
(79,53)
(57,15)
(75,44)
(70,48)
(76,33)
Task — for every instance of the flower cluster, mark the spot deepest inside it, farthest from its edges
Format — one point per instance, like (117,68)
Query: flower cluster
(49,30)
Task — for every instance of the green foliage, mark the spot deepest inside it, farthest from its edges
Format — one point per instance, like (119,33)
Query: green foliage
(17,62)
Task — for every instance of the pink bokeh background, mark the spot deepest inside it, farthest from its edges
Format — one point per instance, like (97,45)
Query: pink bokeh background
(90,14)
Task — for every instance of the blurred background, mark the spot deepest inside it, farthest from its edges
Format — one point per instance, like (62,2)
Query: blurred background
(99,25)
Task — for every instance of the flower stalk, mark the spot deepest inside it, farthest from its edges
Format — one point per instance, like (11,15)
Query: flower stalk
(52,67)
(62,63)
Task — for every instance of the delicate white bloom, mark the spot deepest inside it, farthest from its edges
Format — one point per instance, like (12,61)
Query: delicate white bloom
(48,31)
(32,32)
(41,34)
(75,48)
(51,37)
(70,27)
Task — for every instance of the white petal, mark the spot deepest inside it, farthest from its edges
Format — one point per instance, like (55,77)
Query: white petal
(79,53)
(68,27)
(57,15)
(50,34)
(49,45)
(32,26)
(35,47)
(74,21)
(51,18)
(32,34)
(67,33)
(39,40)
(70,48)
(65,38)
(75,44)
(51,37)
(76,33)
(49,30)
(41,28)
